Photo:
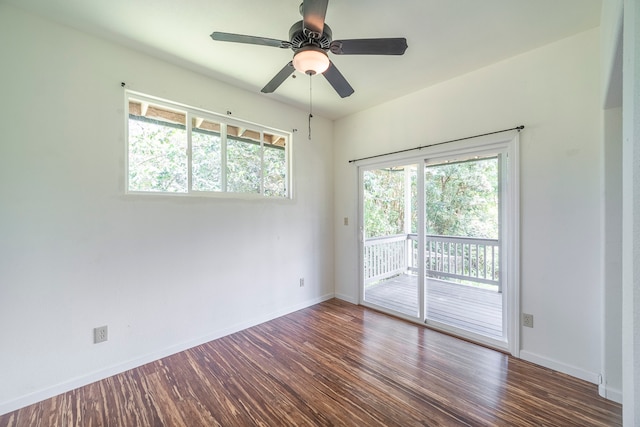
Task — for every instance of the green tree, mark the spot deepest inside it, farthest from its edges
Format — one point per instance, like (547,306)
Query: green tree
(275,171)
(384,193)
(243,166)
(157,156)
(158,161)
(206,161)
(461,199)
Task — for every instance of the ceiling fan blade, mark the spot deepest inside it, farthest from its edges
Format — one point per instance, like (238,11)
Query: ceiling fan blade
(391,46)
(337,80)
(277,80)
(241,38)
(313,13)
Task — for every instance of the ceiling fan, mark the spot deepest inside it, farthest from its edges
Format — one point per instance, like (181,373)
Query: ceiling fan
(311,40)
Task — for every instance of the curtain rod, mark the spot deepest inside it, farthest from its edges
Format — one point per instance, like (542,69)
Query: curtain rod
(518,128)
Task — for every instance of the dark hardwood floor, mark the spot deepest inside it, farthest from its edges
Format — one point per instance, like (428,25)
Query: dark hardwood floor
(331,364)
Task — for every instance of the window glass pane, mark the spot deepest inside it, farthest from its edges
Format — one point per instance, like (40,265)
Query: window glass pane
(275,165)
(157,148)
(463,198)
(206,156)
(385,193)
(243,160)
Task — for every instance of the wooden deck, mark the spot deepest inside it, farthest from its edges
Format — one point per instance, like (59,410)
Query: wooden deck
(465,307)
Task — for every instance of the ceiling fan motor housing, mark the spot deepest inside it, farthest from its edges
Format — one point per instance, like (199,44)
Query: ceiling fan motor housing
(299,40)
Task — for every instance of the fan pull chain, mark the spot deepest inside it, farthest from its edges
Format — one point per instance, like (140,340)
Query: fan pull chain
(310,104)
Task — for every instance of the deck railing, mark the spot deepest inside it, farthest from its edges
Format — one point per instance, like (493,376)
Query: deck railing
(446,257)
(385,257)
(463,258)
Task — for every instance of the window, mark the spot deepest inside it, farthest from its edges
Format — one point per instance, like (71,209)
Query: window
(177,149)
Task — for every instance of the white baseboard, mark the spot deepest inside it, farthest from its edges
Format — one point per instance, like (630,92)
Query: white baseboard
(592,377)
(610,393)
(71,384)
(605,391)
(347,298)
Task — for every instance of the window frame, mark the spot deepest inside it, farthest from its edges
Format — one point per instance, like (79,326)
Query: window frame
(225,122)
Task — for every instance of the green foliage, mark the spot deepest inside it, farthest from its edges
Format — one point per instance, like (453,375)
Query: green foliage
(243,167)
(158,161)
(275,171)
(461,199)
(206,161)
(157,157)
(384,193)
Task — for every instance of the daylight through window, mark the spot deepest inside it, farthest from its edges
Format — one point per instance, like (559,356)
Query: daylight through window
(177,149)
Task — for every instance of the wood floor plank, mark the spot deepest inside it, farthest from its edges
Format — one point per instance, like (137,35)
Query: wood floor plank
(331,364)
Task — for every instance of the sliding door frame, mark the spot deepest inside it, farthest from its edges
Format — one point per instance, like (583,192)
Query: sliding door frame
(507,145)
(379,164)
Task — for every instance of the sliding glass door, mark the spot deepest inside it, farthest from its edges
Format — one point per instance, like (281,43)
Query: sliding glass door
(462,246)
(439,241)
(390,239)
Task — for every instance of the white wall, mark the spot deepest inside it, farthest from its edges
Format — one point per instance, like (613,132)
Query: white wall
(555,92)
(611,66)
(611,53)
(631,215)
(164,273)
(612,249)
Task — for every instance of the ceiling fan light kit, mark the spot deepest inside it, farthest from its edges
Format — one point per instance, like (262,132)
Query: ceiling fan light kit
(311,40)
(311,60)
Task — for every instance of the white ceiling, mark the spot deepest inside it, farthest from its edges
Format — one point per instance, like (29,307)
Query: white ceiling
(446,38)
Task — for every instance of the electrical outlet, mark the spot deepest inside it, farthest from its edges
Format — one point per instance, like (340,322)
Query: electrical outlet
(100,334)
(302,282)
(527,320)
(346,220)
